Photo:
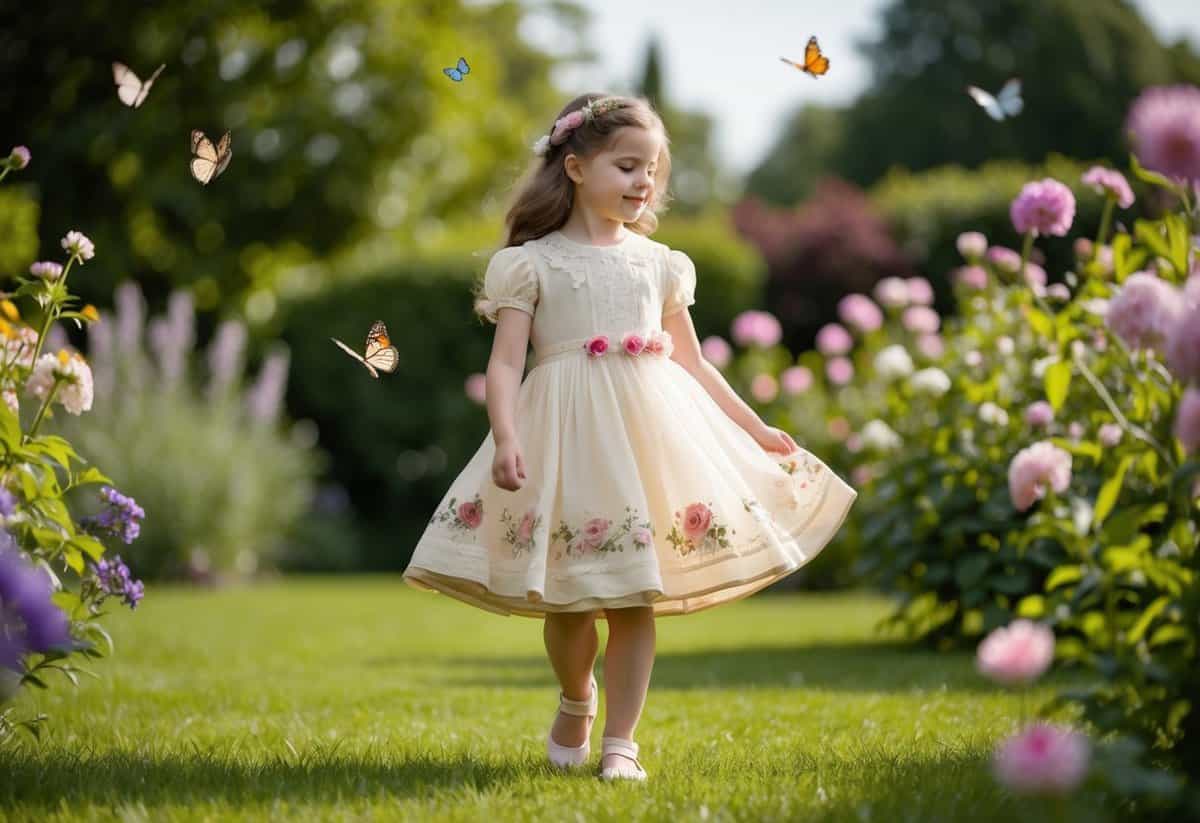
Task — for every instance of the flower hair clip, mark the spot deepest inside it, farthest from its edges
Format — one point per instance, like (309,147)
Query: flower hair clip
(570,121)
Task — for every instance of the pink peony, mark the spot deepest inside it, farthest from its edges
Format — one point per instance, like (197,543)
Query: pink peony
(839,370)
(716,351)
(971,245)
(1033,469)
(921,319)
(1039,414)
(796,380)
(764,387)
(756,328)
(596,346)
(1017,653)
(1165,126)
(931,345)
(834,339)
(1187,420)
(594,532)
(1110,183)
(1042,759)
(633,343)
(1144,311)
(858,312)
(891,292)
(1110,435)
(475,387)
(919,291)
(1043,207)
(697,519)
(973,277)
(1004,258)
(471,514)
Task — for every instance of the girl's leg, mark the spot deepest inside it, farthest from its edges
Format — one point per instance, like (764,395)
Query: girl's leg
(571,644)
(628,659)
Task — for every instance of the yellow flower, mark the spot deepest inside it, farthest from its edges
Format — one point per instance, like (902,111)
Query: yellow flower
(10,310)
(90,314)
(5,329)
(64,357)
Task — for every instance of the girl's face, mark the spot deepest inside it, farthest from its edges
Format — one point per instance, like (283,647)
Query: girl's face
(617,183)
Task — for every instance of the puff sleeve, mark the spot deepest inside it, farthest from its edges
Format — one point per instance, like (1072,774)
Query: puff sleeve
(510,281)
(680,290)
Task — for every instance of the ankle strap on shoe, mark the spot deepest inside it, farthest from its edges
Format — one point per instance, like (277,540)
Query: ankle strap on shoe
(581,708)
(617,745)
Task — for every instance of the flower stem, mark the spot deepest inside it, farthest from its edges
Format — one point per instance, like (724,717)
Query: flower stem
(1122,420)
(1026,248)
(5,171)
(51,313)
(1105,223)
(37,421)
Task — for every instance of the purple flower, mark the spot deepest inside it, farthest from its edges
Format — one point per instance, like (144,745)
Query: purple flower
(19,158)
(756,328)
(1110,183)
(1039,414)
(122,518)
(1044,207)
(46,270)
(225,356)
(1187,420)
(113,578)
(29,620)
(78,245)
(8,502)
(266,395)
(1165,126)
(1145,311)
(859,312)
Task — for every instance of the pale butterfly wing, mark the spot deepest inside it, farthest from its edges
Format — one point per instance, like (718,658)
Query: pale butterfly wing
(1009,98)
(130,89)
(356,356)
(385,359)
(986,101)
(209,160)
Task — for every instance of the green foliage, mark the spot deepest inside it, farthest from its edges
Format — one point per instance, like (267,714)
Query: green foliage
(802,155)
(18,227)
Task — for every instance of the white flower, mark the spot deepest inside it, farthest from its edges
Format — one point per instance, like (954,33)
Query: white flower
(77,390)
(879,436)
(542,145)
(893,362)
(931,381)
(989,412)
(78,245)
(1005,345)
(892,292)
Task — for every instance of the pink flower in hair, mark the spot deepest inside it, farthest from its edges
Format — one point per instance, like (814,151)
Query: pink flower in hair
(564,125)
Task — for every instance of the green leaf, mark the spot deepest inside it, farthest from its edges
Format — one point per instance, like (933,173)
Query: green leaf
(1151,177)
(85,542)
(1111,490)
(1178,238)
(1168,634)
(1063,575)
(1039,321)
(1058,381)
(1143,622)
(971,569)
(1031,606)
(1149,232)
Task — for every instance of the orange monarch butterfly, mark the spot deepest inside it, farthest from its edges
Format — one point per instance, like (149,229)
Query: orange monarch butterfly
(815,64)
(380,354)
(208,161)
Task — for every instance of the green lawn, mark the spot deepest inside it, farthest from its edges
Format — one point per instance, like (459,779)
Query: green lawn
(361,699)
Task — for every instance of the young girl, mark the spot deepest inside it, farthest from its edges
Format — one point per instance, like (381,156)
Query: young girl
(623,478)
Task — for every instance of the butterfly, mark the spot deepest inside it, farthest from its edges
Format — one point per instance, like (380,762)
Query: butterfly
(458,72)
(209,161)
(381,354)
(130,89)
(1006,103)
(815,64)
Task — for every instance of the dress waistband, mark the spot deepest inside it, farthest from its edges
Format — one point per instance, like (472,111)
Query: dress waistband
(655,344)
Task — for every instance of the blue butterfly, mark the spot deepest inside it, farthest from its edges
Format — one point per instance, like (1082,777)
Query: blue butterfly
(456,74)
(1005,103)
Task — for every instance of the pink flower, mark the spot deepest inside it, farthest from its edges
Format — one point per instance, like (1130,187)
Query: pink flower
(564,125)
(660,344)
(839,370)
(1165,126)
(1083,250)
(475,387)
(1039,414)
(764,387)
(46,269)
(697,519)
(756,328)
(858,312)
(1059,291)
(471,514)
(1033,469)
(973,277)
(1110,435)
(892,292)
(1110,183)
(796,380)
(1017,653)
(919,291)
(1183,341)
(921,319)
(525,529)
(834,339)
(594,531)
(1144,311)
(931,345)
(1187,420)
(19,158)
(971,245)
(642,536)
(633,343)
(1075,430)
(596,346)
(1004,258)
(1044,207)
(838,427)
(1042,759)
(973,358)
(1035,275)
(716,351)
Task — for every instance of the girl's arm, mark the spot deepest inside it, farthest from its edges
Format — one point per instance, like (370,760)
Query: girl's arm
(506,367)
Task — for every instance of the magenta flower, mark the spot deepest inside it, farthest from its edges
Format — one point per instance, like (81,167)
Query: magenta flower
(1042,759)
(971,245)
(1145,311)
(716,351)
(756,328)
(921,320)
(1035,468)
(1017,653)
(633,343)
(596,346)
(1044,207)
(1187,420)
(1183,339)
(839,370)
(796,380)
(1164,122)
(475,387)
(859,312)
(834,339)
(19,158)
(973,277)
(1004,258)
(764,387)
(1110,183)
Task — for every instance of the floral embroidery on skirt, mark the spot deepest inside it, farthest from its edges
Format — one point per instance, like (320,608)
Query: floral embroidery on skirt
(696,528)
(597,536)
(465,516)
(520,535)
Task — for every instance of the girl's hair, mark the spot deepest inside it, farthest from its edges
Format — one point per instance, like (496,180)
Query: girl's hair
(545,197)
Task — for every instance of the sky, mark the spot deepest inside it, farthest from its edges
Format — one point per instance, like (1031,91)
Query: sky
(717,61)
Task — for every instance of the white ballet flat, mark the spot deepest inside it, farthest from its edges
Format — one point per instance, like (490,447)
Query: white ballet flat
(629,767)
(565,757)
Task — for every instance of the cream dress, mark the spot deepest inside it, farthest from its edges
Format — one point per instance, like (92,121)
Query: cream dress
(639,489)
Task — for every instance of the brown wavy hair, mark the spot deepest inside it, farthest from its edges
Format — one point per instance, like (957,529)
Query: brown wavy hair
(545,195)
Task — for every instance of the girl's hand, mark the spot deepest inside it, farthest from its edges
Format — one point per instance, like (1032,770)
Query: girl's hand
(508,466)
(774,440)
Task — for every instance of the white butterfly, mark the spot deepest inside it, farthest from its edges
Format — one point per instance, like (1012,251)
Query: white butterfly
(209,161)
(1006,103)
(130,89)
